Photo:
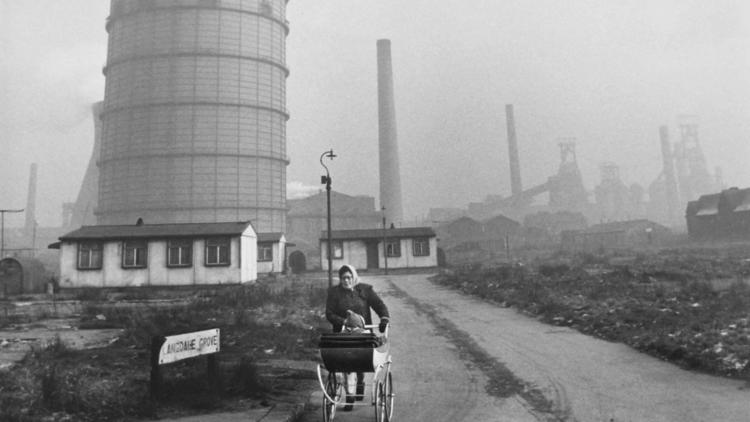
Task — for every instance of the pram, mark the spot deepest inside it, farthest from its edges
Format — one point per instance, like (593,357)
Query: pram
(356,352)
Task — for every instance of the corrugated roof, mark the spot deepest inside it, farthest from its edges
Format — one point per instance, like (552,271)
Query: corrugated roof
(157,230)
(378,233)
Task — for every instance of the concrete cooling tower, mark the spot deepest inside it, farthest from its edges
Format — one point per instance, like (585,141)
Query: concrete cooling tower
(194,116)
(390,176)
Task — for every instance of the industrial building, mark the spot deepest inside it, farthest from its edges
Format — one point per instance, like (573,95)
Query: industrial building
(307,217)
(632,234)
(720,216)
(194,115)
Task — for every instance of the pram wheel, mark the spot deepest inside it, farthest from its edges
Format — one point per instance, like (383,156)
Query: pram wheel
(334,390)
(384,399)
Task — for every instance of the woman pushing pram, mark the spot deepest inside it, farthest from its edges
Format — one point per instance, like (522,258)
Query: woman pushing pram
(348,309)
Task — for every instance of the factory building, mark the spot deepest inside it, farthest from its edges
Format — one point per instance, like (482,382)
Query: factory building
(307,217)
(194,115)
(720,216)
(632,235)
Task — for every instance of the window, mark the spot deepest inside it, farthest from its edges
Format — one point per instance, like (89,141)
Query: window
(89,256)
(134,254)
(337,249)
(421,247)
(217,251)
(393,248)
(265,251)
(180,253)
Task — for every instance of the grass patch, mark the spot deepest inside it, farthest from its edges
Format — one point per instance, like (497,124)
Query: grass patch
(664,305)
(257,322)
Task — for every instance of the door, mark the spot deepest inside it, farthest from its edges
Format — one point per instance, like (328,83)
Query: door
(372,255)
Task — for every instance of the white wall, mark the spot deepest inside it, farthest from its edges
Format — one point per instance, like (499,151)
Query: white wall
(275,265)
(242,268)
(355,253)
(249,250)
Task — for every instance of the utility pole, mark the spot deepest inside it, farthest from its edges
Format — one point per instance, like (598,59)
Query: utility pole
(385,248)
(2,230)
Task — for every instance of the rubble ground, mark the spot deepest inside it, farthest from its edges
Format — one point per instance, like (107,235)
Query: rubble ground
(262,326)
(686,307)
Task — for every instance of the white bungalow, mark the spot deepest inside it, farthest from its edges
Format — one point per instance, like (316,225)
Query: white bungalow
(159,255)
(271,253)
(410,247)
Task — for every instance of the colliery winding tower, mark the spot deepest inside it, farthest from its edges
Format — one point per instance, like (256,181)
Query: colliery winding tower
(194,115)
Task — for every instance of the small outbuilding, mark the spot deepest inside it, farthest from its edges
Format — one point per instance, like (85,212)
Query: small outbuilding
(20,275)
(271,253)
(408,247)
(159,255)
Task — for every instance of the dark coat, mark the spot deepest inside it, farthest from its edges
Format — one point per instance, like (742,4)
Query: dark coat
(359,300)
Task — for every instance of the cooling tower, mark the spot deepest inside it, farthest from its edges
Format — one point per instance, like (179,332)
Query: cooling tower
(82,211)
(390,177)
(194,119)
(515,166)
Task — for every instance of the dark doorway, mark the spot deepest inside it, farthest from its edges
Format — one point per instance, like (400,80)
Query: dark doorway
(11,277)
(297,262)
(440,257)
(372,255)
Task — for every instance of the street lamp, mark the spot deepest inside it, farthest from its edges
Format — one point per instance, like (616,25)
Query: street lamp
(326,180)
(2,230)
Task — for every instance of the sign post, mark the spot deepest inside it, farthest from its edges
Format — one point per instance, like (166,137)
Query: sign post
(165,350)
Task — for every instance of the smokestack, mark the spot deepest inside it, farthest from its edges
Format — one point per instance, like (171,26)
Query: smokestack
(390,177)
(670,182)
(31,203)
(515,166)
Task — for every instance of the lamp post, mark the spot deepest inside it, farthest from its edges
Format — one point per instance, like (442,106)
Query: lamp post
(385,247)
(326,180)
(2,230)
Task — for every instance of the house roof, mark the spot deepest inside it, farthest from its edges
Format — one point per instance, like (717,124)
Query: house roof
(501,219)
(157,231)
(270,237)
(360,234)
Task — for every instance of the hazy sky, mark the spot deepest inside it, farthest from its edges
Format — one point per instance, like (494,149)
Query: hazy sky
(606,72)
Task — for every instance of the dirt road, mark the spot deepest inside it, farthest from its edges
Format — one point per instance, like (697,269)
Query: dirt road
(459,359)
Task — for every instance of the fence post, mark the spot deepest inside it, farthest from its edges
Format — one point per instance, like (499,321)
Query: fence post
(156,343)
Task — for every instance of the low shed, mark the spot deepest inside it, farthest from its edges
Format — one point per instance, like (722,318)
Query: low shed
(410,247)
(159,255)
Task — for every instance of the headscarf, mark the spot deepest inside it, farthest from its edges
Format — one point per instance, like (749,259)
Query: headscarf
(349,268)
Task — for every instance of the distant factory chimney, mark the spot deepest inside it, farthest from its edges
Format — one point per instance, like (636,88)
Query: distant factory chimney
(390,177)
(670,181)
(515,166)
(30,223)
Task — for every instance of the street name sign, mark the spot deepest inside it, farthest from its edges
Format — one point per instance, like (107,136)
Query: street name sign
(189,345)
